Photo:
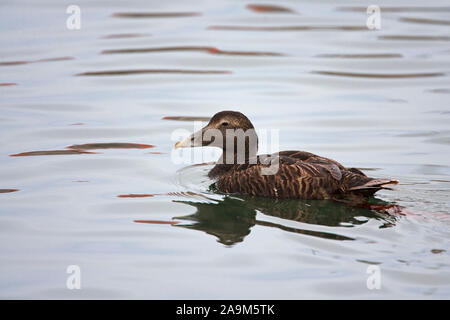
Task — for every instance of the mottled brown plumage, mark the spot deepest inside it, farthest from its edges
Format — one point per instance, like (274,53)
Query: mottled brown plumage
(300,174)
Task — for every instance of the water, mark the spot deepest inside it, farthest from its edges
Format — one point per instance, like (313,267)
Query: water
(141,226)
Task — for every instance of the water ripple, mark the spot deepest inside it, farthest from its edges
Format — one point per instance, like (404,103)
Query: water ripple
(380,75)
(150,71)
(155,14)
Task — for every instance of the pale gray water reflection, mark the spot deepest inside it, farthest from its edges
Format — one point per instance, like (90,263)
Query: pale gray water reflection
(87,175)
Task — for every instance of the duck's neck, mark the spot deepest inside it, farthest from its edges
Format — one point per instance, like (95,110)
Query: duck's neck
(228,160)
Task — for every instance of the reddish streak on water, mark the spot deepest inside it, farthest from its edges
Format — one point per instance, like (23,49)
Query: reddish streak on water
(8,190)
(394,209)
(12,63)
(113,145)
(388,209)
(7,84)
(267,8)
(156,222)
(50,153)
(184,118)
(135,195)
(77,124)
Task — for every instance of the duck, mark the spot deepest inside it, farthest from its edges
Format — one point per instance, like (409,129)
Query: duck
(292,174)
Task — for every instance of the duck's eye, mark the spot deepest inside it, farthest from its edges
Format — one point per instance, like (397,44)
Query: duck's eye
(225,123)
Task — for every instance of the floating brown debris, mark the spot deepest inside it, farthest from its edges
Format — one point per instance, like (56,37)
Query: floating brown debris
(157,152)
(398,9)
(160,49)
(154,71)
(133,195)
(426,21)
(183,118)
(156,222)
(125,35)
(361,55)
(8,190)
(77,124)
(288,28)
(50,153)
(7,84)
(155,14)
(12,63)
(414,38)
(268,8)
(379,75)
(113,145)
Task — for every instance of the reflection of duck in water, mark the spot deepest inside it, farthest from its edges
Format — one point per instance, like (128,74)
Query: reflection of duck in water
(231,219)
(297,174)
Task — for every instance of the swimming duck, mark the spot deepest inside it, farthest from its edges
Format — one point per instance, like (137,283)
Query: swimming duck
(286,174)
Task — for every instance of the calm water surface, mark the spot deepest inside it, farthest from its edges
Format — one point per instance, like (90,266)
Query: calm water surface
(140,225)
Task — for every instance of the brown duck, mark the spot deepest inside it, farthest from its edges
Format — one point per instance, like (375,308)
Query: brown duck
(287,174)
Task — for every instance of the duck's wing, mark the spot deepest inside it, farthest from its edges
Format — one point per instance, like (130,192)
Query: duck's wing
(332,166)
(295,178)
(312,158)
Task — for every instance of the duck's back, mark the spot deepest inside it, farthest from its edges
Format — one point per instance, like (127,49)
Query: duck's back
(300,175)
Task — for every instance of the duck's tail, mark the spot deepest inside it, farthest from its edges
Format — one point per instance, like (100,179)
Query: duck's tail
(372,186)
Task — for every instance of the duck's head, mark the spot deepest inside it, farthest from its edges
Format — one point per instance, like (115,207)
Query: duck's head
(224,128)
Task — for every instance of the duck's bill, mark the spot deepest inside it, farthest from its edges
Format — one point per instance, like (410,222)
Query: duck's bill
(185,143)
(194,140)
